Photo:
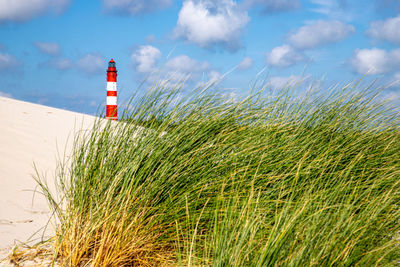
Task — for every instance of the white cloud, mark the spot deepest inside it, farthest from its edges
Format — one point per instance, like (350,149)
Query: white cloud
(388,30)
(392,95)
(145,58)
(230,97)
(151,38)
(23,10)
(375,61)
(185,64)
(134,7)
(320,33)
(48,48)
(396,77)
(284,56)
(327,7)
(210,23)
(246,63)
(177,69)
(210,78)
(341,9)
(8,62)
(62,63)
(394,83)
(58,63)
(183,67)
(92,63)
(281,82)
(214,77)
(272,6)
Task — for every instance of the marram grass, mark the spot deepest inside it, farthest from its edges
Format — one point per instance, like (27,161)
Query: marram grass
(264,181)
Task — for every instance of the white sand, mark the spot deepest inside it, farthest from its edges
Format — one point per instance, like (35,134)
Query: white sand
(30,133)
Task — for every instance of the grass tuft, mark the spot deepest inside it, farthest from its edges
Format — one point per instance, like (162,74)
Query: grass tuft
(264,181)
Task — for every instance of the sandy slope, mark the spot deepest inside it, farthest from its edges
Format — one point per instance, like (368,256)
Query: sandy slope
(30,133)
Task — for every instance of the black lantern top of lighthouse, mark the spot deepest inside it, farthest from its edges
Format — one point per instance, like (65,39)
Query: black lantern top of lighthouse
(111,71)
(111,64)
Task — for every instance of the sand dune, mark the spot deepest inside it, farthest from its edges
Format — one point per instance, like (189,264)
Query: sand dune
(30,134)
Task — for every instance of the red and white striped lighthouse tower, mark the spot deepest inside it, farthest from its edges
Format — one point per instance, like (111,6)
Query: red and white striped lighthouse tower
(111,110)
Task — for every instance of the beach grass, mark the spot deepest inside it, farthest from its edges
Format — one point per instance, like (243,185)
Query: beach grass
(281,180)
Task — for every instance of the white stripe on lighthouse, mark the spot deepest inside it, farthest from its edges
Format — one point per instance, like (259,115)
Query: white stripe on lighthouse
(111,100)
(111,86)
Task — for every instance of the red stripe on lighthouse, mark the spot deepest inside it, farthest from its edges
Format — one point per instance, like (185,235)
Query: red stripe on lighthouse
(111,112)
(111,109)
(111,77)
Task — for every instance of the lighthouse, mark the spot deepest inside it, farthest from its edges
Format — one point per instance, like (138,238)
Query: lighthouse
(111,109)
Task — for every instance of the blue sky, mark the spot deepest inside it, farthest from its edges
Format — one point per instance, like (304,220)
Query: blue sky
(55,52)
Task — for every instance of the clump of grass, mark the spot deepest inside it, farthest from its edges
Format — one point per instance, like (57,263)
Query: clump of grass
(264,181)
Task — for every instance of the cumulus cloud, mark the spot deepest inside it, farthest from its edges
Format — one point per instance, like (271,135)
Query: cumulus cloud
(62,63)
(92,63)
(179,68)
(394,81)
(58,63)
(396,76)
(215,77)
(151,38)
(246,63)
(340,9)
(52,49)
(372,61)
(186,64)
(284,56)
(315,34)
(320,33)
(375,61)
(145,58)
(388,30)
(210,23)
(8,62)
(185,68)
(326,7)
(273,6)
(212,77)
(22,10)
(134,7)
(282,82)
